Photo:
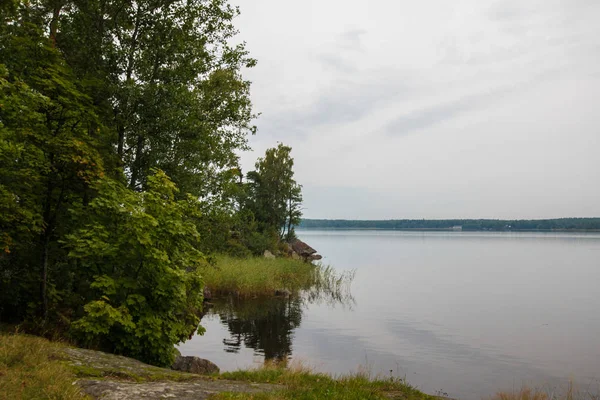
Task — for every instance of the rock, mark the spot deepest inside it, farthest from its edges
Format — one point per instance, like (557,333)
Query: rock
(268,254)
(283,293)
(314,257)
(194,365)
(302,248)
(200,389)
(295,255)
(288,249)
(207,294)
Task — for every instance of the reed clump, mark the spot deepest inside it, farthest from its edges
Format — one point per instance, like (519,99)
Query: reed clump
(258,276)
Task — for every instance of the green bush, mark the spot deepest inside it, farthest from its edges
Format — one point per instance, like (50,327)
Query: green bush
(258,242)
(139,250)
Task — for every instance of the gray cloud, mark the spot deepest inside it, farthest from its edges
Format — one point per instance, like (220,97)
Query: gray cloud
(343,101)
(352,39)
(470,103)
(337,62)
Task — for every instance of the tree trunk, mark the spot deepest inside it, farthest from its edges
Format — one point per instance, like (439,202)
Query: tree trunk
(54,22)
(45,242)
(137,162)
(289,227)
(121,130)
(44,277)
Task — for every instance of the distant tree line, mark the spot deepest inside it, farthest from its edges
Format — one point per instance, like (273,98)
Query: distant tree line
(558,224)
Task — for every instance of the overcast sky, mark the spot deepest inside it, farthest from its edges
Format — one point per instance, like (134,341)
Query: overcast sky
(431,108)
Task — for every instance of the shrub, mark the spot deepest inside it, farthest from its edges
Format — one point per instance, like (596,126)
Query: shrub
(139,252)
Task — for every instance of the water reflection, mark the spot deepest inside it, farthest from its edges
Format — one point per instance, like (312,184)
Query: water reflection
(267,325)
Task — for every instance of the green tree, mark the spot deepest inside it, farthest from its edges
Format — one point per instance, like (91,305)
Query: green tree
(49,135)
(97,99)
(294,210)
(168,83)
(275,197)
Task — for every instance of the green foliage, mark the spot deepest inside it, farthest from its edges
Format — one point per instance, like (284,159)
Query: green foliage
(120,127)
(178,101)
(257,242)
(275,197)
(139,250)
(49,137)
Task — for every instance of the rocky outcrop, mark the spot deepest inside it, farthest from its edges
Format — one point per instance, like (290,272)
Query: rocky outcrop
(194,365)
(196,390)
(304,251)
(110,377)
(301,248)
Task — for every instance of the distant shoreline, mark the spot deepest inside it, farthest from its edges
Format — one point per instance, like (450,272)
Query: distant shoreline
(301,228)
(457,225)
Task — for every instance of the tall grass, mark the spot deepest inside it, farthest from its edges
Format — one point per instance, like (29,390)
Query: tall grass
(553,393)
(258,276)
(300,382)
(30,369)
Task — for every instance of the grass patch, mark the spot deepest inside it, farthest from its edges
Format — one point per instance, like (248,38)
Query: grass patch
(31,368)
(554,393)
(259,276)
(302,383)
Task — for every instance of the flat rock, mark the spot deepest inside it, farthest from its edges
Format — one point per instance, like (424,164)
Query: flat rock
(195,390)
(110,365)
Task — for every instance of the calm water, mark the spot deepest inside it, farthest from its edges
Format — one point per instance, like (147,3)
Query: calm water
(459,313)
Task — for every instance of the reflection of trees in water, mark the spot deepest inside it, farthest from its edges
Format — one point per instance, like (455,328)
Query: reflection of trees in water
(265,325)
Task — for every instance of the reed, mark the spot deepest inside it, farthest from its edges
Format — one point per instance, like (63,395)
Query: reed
(258,276)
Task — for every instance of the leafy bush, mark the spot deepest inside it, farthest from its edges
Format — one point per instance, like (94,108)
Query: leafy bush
(258,242)
(139,250)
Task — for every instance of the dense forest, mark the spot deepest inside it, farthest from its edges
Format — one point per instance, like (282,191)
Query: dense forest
(559,224)
(121,124)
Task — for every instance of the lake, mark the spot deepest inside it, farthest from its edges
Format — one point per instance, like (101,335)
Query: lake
(458,313)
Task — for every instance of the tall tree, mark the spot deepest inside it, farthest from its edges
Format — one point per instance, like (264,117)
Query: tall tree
(171,81)
(275,196)
(50,133)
